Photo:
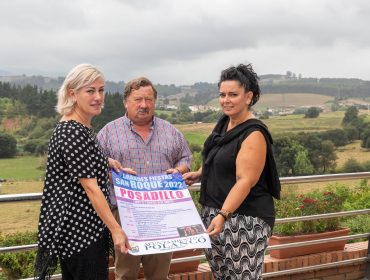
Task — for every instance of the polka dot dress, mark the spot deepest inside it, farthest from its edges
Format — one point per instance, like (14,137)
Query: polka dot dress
(68,223)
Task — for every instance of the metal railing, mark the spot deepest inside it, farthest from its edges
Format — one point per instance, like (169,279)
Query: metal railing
(283,180)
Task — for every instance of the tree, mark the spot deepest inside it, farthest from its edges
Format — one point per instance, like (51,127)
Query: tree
(367,144)
(335,106)
(302,165)
(264,115)
(350,116)
(327,156)
(312,112)
(286,149)
(8,145)
(337,136)
(351,132)
(113,108)
(365,137)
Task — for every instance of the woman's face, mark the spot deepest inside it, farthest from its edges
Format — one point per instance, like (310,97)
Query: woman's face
(90,99)
(234,100)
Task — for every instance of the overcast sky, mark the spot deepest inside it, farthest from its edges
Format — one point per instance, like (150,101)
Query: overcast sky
(185,41)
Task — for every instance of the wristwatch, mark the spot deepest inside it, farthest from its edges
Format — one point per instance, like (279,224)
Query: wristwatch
(224,213)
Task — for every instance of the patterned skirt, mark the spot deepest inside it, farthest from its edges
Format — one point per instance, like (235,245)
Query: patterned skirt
(238,251)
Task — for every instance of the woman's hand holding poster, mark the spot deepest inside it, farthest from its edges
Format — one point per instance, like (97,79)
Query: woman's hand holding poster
(158,213)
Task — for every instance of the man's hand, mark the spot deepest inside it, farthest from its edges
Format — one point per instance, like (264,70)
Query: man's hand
(116,165)
(172,170)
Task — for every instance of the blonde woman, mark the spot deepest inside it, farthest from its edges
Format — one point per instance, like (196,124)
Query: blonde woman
(76,224)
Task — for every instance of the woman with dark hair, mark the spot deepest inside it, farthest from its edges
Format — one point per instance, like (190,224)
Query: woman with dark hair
(238,181)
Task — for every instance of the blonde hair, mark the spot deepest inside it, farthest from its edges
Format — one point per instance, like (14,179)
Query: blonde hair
(80,76)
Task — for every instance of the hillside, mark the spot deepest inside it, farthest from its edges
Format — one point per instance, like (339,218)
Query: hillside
(277,124)
(286,100)
(203,92)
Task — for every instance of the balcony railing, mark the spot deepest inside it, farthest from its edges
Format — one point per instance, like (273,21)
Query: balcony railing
(283,180)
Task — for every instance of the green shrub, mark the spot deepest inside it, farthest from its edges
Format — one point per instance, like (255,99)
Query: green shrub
(329,200)
(359,197)
(195,196)
(20,264)
(334,198)
(358,224)
(352,165)
(8,145)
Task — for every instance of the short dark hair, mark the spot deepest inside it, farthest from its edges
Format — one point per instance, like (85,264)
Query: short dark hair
(247,78)
(136,84)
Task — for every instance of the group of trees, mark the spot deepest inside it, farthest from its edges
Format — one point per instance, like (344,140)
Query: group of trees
(342,88)
(184,115)
(356,127)
(38,108)
(29,100)
(312,112)
(304,154)
(315,153)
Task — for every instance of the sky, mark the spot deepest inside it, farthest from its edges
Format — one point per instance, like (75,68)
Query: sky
(185,41)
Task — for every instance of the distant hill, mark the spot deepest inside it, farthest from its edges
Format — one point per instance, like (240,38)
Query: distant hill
(47,83)
(340,88)
(203,92)
(287,100)
(4,73)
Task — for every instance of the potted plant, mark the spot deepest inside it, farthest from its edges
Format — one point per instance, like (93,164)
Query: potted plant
(329,200)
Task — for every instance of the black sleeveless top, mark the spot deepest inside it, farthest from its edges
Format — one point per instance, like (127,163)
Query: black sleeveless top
(219,170)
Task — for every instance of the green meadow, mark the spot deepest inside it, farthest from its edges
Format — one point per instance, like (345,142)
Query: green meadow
(22,168)
(198,132)
(195,138)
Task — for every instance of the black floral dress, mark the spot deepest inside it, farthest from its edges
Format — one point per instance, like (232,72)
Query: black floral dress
(68,224)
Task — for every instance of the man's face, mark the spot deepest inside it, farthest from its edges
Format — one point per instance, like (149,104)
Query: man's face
(140,105)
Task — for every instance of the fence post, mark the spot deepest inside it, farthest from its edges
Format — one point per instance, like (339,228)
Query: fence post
(367,276)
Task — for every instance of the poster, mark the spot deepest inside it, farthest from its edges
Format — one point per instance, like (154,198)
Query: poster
(158,213)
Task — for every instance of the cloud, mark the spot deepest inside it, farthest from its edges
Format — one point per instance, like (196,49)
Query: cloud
(173,41)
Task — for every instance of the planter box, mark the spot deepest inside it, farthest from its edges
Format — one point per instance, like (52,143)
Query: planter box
(185,266)
(310,249)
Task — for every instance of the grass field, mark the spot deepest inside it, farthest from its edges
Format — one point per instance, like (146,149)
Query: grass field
(19,216)
(14,187)
(291,100)
(354,151)
(277,124)
(298,123)
(158,112)
(195,138)
(21,168)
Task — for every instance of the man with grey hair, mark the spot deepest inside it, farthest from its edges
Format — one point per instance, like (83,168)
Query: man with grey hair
(147,145)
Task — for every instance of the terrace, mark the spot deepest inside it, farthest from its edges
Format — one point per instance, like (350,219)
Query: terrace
(351,263)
